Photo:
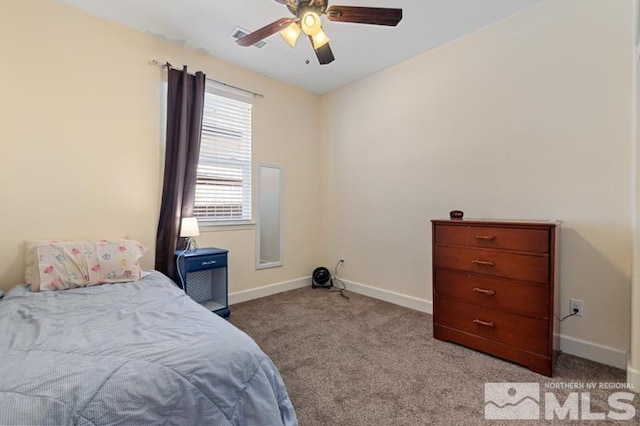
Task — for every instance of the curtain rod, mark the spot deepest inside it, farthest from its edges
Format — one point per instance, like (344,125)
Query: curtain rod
(168,65)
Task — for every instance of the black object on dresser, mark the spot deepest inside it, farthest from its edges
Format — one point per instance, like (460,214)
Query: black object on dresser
(495,288)
(202,273)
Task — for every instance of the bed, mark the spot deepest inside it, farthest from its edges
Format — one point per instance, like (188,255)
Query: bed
(140,352)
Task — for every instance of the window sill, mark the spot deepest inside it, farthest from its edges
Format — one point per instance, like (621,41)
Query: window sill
(225,226)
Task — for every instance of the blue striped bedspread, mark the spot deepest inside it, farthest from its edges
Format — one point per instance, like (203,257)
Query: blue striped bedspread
(139,353)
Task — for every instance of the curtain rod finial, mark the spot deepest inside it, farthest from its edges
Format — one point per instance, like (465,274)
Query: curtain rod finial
(166,65)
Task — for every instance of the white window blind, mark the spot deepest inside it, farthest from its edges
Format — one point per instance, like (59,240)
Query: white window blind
(223,186)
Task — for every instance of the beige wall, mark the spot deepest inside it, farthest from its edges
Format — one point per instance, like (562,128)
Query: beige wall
(633,369)
(528,118)
(81,130)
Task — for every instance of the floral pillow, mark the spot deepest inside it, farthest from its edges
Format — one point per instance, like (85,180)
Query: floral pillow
(31,275)
(61,265)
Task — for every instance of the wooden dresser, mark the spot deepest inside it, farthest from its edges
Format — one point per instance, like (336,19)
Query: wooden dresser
(495,284)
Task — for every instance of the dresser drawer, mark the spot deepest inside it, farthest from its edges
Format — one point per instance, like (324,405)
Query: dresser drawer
(532,268)
(522,332)
(205,262)
(529,240)
(530,300)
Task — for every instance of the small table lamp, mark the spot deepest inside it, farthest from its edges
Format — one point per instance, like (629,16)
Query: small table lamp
(188,229)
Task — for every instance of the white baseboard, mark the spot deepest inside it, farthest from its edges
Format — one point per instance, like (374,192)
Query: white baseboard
(633,378)
(410,302)
(268,290)
(593,351)
(570,345)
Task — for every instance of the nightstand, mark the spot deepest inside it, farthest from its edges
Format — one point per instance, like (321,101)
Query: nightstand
(203,275)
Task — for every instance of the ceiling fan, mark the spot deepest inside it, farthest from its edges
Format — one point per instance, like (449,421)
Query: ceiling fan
(307,19)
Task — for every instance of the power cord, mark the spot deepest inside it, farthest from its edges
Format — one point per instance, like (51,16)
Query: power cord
(335,277)
(191,245)
(178,268)
(575,312)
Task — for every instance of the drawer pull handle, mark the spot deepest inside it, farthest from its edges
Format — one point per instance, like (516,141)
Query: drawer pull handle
(484,323)
(211,262)
(484,291)
(483,262)
(485,237)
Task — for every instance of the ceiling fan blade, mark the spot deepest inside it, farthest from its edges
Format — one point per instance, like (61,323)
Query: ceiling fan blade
(365,15)
(324,53)
(264,32)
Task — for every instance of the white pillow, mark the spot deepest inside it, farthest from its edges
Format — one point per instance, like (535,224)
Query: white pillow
(59,265)
(31,274)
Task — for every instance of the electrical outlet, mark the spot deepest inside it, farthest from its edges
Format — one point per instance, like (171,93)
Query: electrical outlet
(576,304)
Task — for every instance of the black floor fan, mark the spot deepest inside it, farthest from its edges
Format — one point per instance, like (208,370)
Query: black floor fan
(321,278)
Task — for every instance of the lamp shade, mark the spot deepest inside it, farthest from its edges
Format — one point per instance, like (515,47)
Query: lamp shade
(310,23)
(189,227)
(319,39)
(291,34)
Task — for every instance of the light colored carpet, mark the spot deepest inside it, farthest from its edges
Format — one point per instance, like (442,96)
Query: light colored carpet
(366,362)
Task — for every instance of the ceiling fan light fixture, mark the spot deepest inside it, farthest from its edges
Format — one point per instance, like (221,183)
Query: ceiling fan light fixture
(306,18)
(310,23)
(291,34)
(320,38)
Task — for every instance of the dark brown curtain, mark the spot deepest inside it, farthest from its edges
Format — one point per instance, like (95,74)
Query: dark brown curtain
(185,102)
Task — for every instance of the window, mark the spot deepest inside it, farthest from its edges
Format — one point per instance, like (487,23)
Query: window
(223,186)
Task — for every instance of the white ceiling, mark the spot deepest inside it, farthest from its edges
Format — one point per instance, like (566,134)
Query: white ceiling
(360,50)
